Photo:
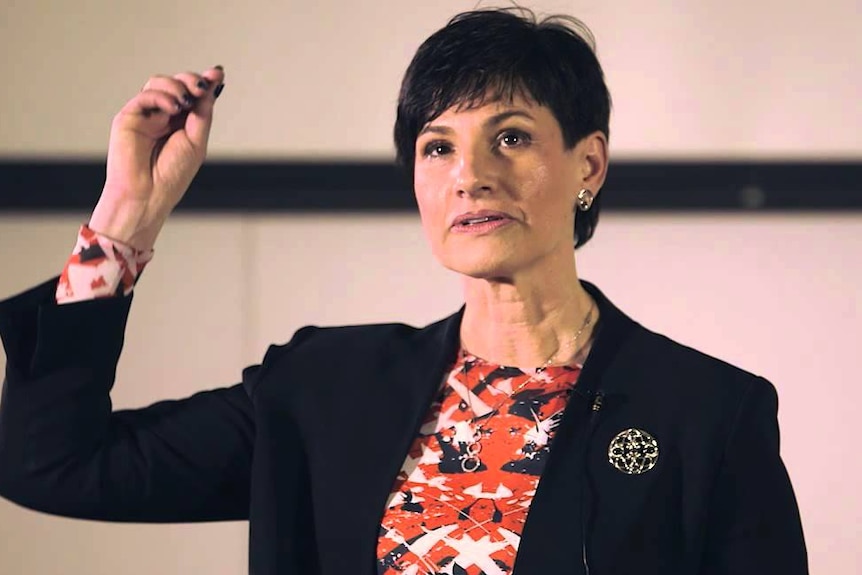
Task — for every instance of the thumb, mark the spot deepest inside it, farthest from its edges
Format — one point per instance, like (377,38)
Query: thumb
(200,118)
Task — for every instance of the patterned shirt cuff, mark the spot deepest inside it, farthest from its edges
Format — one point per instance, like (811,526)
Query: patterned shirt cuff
(100,267)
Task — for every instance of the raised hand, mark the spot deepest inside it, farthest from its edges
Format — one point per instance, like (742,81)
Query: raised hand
(158,143)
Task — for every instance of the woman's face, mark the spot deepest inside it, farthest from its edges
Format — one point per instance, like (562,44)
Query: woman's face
(496,187)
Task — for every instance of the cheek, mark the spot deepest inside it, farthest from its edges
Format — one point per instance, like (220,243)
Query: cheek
(425,188)
(430,182)
(547,194)
(538,181)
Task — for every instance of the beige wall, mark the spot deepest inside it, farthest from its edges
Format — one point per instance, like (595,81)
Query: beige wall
(778,295)
(690,78)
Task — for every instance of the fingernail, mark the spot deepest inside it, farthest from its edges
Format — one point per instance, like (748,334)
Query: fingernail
(188,100)
(218,90)
(203,84)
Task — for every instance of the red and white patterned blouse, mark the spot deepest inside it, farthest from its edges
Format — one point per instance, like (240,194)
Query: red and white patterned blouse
(441,518)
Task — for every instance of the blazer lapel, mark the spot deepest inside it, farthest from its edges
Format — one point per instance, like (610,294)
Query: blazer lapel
(389,396)
(573,489)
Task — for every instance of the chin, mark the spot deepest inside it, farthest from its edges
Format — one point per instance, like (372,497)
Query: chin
(481,266)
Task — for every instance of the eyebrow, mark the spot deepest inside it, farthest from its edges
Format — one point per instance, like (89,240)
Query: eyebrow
(492,121)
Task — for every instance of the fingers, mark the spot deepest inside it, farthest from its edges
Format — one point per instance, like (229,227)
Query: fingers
(199,120)
(215,76)
(186,88)
(185,99)
(153,101)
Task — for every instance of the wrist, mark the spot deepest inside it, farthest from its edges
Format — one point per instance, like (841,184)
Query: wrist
(127,222)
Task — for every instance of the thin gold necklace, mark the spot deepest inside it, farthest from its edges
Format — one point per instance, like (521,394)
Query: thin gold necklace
(470,460)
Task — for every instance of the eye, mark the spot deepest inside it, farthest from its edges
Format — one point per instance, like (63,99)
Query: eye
(513,139)
(436,149)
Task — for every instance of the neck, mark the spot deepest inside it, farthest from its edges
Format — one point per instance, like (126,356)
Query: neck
(527,321)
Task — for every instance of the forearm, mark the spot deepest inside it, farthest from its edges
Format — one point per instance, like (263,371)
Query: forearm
(63,450)
(56,393)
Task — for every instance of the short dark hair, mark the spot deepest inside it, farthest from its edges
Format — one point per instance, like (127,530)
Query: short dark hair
(496,55)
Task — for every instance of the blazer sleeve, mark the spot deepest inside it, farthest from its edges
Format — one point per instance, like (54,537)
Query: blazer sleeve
(63,450)
(755,525)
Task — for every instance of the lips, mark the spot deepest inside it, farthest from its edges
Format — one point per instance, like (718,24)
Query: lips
(480,217)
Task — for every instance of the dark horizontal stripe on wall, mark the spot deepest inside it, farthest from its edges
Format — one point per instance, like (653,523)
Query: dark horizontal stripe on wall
(249,186)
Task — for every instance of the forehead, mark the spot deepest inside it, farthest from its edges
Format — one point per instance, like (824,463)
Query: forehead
(490,111)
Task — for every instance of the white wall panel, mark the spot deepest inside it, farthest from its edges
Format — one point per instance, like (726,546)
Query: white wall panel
(713,78)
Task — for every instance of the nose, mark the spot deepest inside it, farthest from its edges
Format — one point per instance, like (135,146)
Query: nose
(474,172)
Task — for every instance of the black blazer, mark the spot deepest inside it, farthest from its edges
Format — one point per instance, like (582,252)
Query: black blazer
(308,445)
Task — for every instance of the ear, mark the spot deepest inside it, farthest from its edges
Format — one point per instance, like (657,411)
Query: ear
(593,161)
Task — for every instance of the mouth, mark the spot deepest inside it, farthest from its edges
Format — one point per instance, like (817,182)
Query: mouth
(480,223)
(479,218)
(477,221)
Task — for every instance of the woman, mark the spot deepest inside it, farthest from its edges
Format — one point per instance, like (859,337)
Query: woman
(388,449)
